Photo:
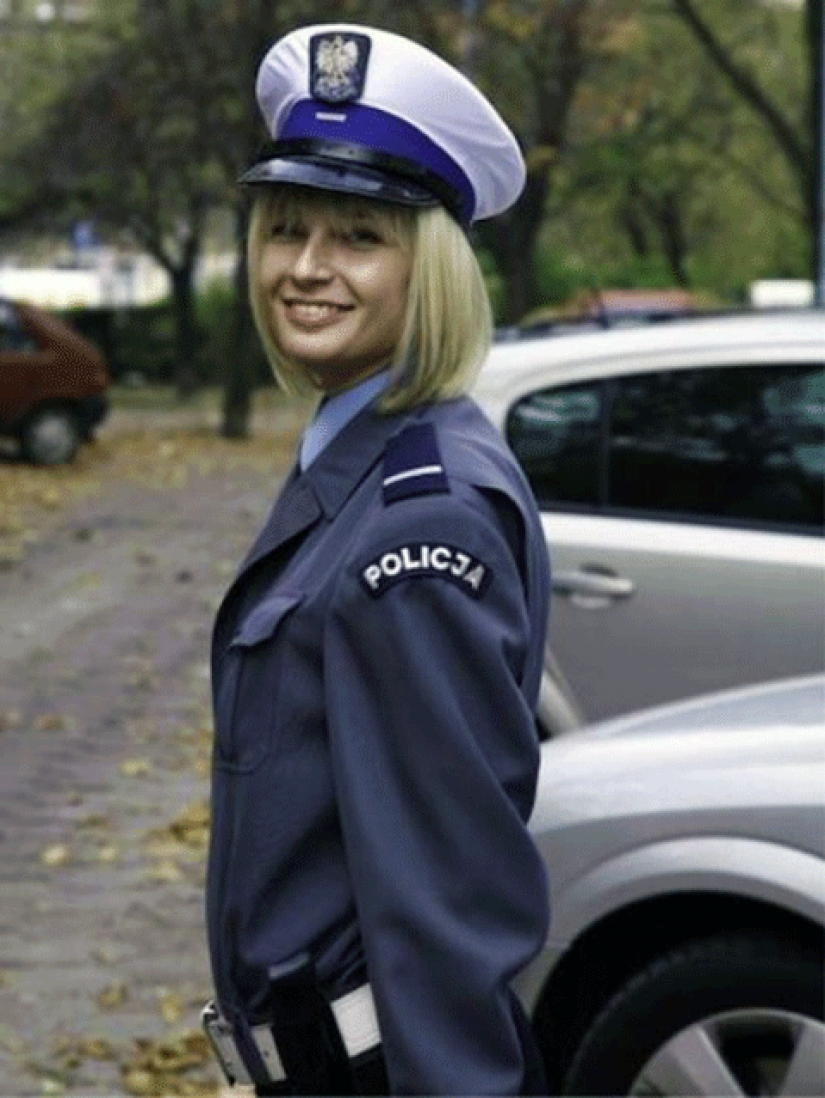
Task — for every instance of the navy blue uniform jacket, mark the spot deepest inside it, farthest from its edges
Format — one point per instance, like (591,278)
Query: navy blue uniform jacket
(376,665)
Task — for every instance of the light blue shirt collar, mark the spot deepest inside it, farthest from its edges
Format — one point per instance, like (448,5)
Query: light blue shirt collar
(336,412)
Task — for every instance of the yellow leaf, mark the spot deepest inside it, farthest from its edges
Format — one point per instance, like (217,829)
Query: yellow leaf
(95,1048)
(55,855)
(135,768)
(171,1007)
(139,1082)
(112,997)
(166,870)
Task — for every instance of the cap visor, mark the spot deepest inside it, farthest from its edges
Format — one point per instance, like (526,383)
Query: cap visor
(349,179)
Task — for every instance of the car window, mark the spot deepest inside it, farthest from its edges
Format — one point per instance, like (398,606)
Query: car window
(13,336)
(556,436)
(741,443)
(737,444)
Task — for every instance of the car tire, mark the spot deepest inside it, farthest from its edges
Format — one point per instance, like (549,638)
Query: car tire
(50,436)
(731,1014)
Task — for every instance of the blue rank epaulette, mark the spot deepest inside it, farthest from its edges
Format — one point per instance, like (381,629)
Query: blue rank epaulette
(412,464)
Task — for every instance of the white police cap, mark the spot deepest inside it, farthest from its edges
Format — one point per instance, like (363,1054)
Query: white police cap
(364,111)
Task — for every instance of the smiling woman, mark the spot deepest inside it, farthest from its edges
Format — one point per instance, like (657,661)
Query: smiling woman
(329,281)
(373,887)
(446,321)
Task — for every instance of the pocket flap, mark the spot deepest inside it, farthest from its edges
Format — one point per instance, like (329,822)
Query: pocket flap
(262,622)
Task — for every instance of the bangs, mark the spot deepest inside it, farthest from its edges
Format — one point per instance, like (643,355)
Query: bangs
(344,211)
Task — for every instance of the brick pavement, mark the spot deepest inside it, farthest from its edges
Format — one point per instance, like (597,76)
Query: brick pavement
(104,740)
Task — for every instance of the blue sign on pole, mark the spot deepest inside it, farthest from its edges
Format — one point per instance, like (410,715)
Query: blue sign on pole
(84,237)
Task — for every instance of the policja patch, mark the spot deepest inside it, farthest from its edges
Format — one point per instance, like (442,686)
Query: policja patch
(419,559)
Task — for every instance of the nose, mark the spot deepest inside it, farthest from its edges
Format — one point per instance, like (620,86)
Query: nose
(311,260)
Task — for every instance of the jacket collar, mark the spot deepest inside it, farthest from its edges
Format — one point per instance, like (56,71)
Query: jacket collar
(323,489)
(345,462)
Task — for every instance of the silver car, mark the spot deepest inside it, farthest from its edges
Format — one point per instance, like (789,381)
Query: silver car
(686,855)
(680,471)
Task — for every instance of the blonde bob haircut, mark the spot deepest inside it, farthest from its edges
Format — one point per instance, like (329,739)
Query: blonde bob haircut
(448,324)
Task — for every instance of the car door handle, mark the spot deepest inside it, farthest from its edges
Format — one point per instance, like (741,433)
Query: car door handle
(592,582)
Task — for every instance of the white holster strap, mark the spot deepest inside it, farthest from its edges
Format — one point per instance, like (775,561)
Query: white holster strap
(357,1020)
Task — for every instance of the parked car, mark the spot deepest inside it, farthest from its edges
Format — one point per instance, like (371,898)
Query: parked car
(686,855)
(53,383)
(680,471)
(608,309)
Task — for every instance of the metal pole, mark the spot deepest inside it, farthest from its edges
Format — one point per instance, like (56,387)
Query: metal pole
(817,26)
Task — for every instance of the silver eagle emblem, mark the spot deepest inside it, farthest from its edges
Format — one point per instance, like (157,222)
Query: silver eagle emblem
(337,74)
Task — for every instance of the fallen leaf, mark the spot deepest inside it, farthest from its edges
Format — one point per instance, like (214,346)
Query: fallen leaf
(112,997)
(56,855)
(171,1006)
(50,497)
(52,1086)
(51,722)
(97,1048)
(158,1067)
(105,955)
(166,871)
(139,1081)
(135,768)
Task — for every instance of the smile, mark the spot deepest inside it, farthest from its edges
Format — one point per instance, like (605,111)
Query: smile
(314,313)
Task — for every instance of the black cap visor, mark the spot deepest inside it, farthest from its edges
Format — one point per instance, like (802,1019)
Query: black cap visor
(348,169)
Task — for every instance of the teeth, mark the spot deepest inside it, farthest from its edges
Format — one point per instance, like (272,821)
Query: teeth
(312,312)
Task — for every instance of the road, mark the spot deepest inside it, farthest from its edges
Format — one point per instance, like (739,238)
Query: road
(105,737)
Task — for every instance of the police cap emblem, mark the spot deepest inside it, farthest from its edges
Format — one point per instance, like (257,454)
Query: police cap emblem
(338,66)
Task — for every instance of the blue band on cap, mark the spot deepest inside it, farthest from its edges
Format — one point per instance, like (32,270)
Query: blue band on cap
(374,129)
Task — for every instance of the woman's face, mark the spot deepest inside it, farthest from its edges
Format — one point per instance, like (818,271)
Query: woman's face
(334,281)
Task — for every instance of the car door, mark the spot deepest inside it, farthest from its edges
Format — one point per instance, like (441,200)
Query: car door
(683,509)
(21,360)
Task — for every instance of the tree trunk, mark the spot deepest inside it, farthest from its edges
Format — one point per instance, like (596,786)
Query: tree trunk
(513,240)
(632,222)
(669,219)
(187,335)
(237,393)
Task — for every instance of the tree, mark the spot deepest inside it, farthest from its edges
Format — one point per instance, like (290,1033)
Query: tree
(531,57)
(41,59)
(135,144)
(788,118)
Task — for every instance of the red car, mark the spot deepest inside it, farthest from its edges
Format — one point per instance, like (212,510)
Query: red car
(53,384)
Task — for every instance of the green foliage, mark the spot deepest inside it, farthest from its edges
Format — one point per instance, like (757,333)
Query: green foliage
(141,341)
(216,318)
(657,168)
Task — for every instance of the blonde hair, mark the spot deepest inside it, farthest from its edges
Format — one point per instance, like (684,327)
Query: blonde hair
(448,324)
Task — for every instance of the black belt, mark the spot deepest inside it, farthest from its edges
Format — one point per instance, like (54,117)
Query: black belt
(301,1035)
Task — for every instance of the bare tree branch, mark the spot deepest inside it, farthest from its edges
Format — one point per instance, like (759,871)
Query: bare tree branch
(786,136)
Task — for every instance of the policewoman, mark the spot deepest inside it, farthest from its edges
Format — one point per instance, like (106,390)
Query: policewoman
(372,887)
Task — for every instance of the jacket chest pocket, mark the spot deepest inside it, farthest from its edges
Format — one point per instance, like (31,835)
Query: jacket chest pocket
(250,686)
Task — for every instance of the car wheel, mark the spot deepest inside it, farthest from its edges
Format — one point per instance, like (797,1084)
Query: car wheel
(50,437)
(733,1014)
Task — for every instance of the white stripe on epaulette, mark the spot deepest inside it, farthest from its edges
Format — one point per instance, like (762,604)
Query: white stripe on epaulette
(423,471)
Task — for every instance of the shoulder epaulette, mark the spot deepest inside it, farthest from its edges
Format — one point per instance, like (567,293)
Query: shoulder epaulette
(412,464)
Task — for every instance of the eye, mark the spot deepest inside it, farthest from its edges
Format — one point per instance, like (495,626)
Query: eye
(287,230)
(362,236)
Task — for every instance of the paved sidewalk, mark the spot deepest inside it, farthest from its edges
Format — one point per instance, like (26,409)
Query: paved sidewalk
(104,741)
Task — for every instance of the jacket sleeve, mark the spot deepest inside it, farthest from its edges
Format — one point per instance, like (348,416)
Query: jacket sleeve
(435,760)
